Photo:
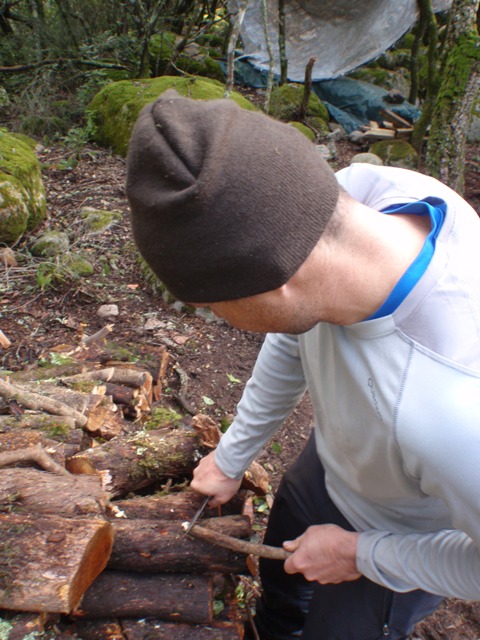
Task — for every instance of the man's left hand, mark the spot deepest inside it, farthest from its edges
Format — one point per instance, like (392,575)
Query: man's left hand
(324,553)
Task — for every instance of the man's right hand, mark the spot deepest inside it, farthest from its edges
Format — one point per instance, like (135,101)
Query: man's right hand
(209,480)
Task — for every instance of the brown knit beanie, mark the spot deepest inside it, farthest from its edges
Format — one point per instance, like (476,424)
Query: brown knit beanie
(226,203)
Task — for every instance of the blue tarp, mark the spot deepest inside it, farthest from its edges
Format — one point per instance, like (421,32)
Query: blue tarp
(351,103)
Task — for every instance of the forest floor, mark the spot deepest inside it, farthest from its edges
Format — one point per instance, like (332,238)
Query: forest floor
(43,324)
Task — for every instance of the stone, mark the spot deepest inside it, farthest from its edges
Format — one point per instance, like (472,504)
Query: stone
(97,220)
(107,311)
(7,257)
(285,102)
(396,153)
(369,158)
(77,265)
(51,243)
(22,193)
(307,132)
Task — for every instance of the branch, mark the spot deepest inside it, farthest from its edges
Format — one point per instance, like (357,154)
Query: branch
(240,546)
(36,454)
(46,63)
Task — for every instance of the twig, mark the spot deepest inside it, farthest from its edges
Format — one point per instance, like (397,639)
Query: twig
(180,397)
(240,546)
(35,454)
(158,388)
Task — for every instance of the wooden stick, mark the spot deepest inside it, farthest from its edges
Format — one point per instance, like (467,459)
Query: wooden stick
(97,337)
(240,546)
(4,341)
(33,454)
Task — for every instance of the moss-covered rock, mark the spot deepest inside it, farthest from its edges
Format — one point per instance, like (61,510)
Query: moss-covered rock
(385,78)
(305,130)
(22,194)
(50,244)
(77,265)
(115,109)
(367,158)
(98,220)
(285,103)
(396,153)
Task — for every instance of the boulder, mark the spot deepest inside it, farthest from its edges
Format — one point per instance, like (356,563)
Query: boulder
(22,194)
(115,109)
(285,103)
(396,153)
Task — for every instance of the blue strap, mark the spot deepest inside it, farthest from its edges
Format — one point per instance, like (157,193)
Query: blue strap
(436,209)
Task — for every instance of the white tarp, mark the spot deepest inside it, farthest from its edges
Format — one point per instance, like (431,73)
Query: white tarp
(340,34)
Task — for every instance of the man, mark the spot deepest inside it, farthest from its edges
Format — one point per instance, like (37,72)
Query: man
(367,286)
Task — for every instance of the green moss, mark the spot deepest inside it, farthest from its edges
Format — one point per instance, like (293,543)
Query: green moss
(115,109)
(396,153)
(21,188)
(304,129)
(285,102)
(97,220)
(51,243)
(77,266)
(161,417)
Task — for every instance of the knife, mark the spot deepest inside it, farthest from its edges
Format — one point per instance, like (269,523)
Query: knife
(198,514)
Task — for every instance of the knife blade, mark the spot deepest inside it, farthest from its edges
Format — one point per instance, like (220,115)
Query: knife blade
(198,514)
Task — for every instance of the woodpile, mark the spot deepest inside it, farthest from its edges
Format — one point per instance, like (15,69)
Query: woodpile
(393,127)
(92,512)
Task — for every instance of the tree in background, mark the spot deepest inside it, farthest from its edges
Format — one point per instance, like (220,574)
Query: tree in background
(459,89)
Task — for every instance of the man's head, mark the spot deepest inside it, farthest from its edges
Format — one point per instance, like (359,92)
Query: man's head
(226,203)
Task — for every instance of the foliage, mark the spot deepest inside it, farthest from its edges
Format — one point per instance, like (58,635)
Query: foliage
(55,55)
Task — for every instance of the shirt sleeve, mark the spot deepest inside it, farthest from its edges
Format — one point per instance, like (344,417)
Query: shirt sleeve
(275,388)
(441,450)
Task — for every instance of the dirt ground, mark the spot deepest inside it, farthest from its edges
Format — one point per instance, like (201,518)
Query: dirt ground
(216,359)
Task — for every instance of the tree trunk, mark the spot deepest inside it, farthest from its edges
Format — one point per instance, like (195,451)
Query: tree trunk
(129,463)
(458,91)
(177,597)
(48,562)
(41,492)
(162,546)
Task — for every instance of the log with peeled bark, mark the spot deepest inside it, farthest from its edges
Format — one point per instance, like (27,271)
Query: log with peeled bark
(177,597)
(158,546)
(40,492)
(48,562)
(180,505)
(131,462)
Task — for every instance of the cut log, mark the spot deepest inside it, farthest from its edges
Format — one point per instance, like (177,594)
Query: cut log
(38,402)
(177,597)
(379,134)
(48,562)
(20,626)
(105,420)
(118,375)
(148,629)
(41,492)
(129,463)
(178,506)
(158,546)
(104,629)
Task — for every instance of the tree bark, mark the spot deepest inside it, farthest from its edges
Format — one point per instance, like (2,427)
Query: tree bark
(48,562)
(458,91)
(161,546)
(178,506)
(26,438)
(129,463)
(177,597)
(141,629)
(41,492)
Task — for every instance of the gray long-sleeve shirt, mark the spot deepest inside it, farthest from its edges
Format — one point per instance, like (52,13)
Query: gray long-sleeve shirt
(397,407)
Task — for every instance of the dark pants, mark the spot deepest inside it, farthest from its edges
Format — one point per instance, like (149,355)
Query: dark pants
(292,607)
